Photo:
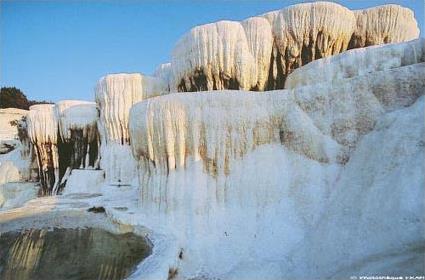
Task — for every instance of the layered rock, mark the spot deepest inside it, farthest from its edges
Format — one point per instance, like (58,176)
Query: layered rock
(241,171)
(115,94)
(260,52)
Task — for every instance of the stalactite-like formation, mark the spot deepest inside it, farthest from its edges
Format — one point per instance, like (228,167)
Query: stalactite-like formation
(115,94)
(322,121)
(260,52)
(79,137)
(43,132)
(64,137)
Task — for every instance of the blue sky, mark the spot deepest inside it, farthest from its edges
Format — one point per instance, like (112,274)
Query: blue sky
(56,50)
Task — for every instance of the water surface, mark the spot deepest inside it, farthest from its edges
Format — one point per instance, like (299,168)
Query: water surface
(70,254)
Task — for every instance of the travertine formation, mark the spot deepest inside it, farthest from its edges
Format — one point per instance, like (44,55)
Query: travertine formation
(320,180)
(260,52)
(43,133)
(79,136)
(358,62)
(244,171)
(115,94)
(64,136)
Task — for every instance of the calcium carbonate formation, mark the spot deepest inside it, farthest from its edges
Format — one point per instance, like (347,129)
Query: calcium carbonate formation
(115,94)
(321,178)
(80,141)
(260,52)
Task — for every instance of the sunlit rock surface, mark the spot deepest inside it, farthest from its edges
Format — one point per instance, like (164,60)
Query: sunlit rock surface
(320,180)
(43,133)
(260,52)
(79,136)
(358,62)
(16,194)
(249,179)
(9,129)
(115,94)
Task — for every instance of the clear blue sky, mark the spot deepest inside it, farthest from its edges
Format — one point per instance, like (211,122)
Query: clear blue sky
(58,49)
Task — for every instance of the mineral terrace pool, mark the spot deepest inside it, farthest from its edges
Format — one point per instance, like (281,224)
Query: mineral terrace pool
(82,253)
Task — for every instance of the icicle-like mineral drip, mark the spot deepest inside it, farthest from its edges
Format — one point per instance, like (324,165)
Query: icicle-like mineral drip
(115,94)
(78,132)
(382,25)
(260,52)
(43,133)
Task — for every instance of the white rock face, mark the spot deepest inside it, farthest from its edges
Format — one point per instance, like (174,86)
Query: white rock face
(13,195)
(80,141)
(375,220)
(246,178)
(43,133)
(76,115)
(115,94)
(8,131)
(84,181)
(382,25)
(358,62)
(260,52)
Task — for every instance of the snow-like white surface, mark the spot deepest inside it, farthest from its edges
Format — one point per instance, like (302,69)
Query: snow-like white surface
(13,195)
(362,61)
(42,123)
(322,180)
(215,50)
(115,94)
(374,224)
(84,181)
(7,131)
(384,24)
(243,180)
(259,52)
(77,115)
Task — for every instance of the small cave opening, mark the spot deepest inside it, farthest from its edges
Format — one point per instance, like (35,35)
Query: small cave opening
(78,152)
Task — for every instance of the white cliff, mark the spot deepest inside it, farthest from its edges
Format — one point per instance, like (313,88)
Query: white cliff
(115,94)
(382,25)
(320,180)
(246,179)
(15,150)
(43,133)
(358,62)
(260,52)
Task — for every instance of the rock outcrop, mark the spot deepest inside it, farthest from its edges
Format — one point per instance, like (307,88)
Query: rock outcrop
(260,52)
(241,170)
(115,94)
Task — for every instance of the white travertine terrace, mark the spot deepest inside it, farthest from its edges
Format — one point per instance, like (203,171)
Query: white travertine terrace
(260,42)
(164,73)
(115,94)
(323,122)
(217,55)
(382,25)
(80,141)
(321,180)
(238,169)
(362,61)
(43,133)
(260,52)
(77,115)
